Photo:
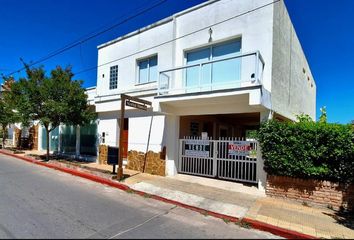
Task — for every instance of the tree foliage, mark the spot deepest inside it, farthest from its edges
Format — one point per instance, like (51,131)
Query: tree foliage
(52,100)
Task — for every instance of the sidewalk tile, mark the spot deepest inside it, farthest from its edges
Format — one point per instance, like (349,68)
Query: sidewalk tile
(283,224)
(296,227)
(272,221)
(309,230)
(262,218)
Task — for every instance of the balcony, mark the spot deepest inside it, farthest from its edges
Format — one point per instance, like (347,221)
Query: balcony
(243,70)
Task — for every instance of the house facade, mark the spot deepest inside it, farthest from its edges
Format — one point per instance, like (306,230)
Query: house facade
(217,69)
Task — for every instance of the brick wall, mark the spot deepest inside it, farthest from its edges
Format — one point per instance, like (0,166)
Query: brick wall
(313,192)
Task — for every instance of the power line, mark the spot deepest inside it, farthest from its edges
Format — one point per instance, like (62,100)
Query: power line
(86,35)
(172,40)
(79,42)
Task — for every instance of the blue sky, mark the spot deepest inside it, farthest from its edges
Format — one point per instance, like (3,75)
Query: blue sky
(33,29)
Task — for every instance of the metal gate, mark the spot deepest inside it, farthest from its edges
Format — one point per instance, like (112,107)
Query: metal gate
(226,158)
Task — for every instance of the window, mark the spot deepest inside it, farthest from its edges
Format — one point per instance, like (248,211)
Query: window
(217,72)
(148,70)
(113,77)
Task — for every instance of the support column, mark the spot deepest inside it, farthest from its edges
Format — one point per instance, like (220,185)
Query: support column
(77,152)
(172,135)
(261,174)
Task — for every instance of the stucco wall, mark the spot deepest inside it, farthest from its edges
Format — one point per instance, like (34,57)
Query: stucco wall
(191,29)
(139,130)
(228,21)
(293,86)
(138,133)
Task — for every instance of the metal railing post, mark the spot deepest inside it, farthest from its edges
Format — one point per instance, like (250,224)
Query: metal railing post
(256,67)
(158,85)
(200,76)
(180,155)
(215,153)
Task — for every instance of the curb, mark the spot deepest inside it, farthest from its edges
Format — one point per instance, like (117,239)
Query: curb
(253,223)
(290,234)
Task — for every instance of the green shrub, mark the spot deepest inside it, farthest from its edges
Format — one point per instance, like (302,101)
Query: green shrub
(308,150)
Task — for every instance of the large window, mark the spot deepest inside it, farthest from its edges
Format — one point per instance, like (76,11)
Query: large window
(113,77)
(220,72)
(147,70)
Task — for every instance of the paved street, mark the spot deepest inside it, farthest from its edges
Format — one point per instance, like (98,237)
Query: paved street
(36,202)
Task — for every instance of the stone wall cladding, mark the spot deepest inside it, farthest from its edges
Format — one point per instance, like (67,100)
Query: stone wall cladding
(103,151)
(154,164)
(315,192)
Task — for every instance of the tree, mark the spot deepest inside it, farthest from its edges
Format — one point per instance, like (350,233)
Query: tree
(323,117)
(52,100)
(7,114)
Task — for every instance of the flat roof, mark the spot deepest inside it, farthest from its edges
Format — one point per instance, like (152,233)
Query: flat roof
(155,24)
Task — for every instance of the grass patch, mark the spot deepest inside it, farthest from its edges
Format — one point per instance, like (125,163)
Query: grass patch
(243,224)
(146,195)
(130,191)
(204,213)
(226,220)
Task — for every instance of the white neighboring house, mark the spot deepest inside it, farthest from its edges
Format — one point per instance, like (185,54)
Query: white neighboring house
(220,68)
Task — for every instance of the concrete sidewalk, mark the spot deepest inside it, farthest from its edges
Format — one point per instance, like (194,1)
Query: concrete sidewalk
(316,222)
(241,202)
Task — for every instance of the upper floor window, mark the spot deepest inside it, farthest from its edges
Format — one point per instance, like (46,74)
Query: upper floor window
(147,70)
(113,77)
(218,72)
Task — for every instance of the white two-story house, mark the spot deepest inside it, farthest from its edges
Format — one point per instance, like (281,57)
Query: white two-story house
(219,68)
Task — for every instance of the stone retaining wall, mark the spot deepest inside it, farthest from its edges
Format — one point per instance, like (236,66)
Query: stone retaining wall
(312,192)
(154,163)
(103,152)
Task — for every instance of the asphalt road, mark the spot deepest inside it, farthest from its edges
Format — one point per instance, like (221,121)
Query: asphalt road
(37,202)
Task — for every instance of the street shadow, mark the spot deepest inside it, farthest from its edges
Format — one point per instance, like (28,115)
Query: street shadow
(342,217)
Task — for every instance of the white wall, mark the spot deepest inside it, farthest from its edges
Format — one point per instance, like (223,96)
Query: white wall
(255,29)
(127,67)
(139,129)
(293,91)
(108,123)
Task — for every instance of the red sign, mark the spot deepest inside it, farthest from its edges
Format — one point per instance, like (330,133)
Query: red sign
(239,147)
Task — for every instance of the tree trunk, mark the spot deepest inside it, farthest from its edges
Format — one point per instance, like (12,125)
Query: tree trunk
(47,133)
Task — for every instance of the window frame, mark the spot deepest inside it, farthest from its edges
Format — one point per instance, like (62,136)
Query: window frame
(210,47)
(148,59)
(113,85)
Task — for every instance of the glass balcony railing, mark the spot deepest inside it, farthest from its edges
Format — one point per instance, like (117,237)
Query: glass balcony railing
(226,73)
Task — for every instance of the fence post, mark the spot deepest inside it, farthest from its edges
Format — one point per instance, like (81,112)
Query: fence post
(261,174)
(180,154)
(215,153)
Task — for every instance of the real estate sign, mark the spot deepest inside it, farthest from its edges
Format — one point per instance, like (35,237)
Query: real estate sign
(197,148)
(239,148)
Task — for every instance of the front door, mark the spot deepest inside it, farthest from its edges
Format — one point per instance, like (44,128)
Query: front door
(125,137)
